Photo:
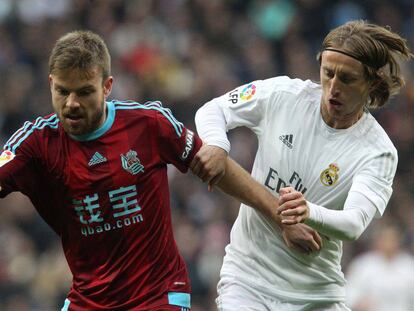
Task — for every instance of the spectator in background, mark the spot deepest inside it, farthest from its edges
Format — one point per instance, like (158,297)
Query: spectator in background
(382,279)
(317,141)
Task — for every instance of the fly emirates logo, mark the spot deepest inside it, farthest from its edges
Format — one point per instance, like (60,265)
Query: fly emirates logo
(274,182)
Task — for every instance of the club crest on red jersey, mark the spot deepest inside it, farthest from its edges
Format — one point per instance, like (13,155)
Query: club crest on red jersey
(131,163)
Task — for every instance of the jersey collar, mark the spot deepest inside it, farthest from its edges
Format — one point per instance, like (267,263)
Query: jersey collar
(103,129)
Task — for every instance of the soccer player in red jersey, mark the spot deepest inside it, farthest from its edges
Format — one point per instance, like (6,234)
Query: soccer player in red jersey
(96,171)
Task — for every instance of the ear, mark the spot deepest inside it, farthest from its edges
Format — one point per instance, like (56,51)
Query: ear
(107,86)
(319,58)
(50,81)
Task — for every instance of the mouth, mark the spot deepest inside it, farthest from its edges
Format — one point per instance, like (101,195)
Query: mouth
(335,102)
(73,119)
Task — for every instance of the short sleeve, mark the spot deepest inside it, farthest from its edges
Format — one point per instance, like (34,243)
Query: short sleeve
(17,168)
(177,144)
(248,104)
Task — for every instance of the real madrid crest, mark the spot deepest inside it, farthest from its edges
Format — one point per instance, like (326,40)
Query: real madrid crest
(330,176)
(131,163)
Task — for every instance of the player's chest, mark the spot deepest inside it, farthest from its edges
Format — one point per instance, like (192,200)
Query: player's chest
(103,164)
(308,161)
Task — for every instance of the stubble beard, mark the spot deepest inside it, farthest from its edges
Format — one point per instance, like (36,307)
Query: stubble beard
(87,125)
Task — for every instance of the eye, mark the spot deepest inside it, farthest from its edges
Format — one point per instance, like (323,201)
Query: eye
(62,92)
(85,92)
(329,73)
(347,79)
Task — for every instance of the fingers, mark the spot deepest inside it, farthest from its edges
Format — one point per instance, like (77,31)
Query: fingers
(317,238)
(286,190)
(291,220)
(314,246)
(302,238)
(304,246)
(296,210)
(293,207)
(301,248)
(293,195)
(196,165)
(294,216)
(295,202)
(198,168)
(296,246)
(209,164)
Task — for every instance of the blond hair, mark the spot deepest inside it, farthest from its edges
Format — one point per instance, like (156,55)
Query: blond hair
(83,50)
(378,49)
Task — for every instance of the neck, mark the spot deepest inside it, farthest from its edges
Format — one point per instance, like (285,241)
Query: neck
(340,123)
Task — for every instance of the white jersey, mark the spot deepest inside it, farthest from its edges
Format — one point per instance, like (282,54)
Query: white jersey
(297,148)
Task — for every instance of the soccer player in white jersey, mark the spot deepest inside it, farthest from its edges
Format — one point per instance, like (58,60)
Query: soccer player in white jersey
(325,156)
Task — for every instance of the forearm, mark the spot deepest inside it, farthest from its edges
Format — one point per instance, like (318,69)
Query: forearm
(346,224)
(238,183)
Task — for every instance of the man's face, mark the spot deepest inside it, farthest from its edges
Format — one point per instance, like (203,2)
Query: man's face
(79,100)
(345,89)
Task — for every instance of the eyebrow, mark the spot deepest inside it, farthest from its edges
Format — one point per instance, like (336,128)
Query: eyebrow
(352,74)
(88,86)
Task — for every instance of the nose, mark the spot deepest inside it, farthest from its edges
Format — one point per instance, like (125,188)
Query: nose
(72,101)
(334,87)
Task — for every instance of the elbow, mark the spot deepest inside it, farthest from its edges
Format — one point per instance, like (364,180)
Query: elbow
(198,116)
(350,238)
(353,233)
(201,115)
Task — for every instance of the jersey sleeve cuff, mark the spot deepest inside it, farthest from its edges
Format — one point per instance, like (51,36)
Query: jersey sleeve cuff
(223,144)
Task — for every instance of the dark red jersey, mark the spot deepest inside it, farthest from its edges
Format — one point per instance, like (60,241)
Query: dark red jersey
(106,195)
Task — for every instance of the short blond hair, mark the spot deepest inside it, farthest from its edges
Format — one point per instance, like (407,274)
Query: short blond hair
(83,50)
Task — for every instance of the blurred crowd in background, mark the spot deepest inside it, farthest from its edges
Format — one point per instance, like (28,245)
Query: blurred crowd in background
(183,53)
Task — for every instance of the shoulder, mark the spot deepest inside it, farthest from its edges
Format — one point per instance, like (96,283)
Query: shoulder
(292,86)
(376,137)
(129,107)
(286,94)
(289,92)
(153,111)
(132,108)
(41,126)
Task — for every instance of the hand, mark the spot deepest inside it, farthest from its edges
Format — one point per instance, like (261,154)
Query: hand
(293,207)
(302,238)
(209,164)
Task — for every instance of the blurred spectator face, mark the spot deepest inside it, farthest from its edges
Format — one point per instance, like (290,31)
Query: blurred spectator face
(344,89)
(79,99)
(388,241)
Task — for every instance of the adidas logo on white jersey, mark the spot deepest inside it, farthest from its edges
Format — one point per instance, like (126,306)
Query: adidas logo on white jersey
(287,140)
(96,159)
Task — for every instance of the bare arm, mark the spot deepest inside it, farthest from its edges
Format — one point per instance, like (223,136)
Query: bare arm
(213,166)
(238,183)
